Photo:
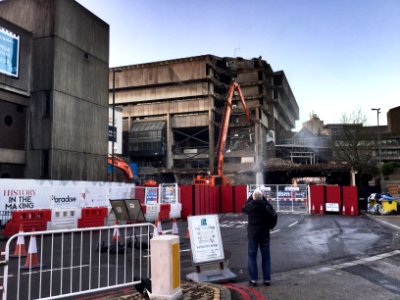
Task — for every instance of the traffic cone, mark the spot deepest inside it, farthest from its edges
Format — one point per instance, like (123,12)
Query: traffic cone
(188,233)
(321,209)
(352,210)
(159,227)
(116,235)
(174,227)
(155,231)
(20,246)
(312,209)
(32,259)
(344,210)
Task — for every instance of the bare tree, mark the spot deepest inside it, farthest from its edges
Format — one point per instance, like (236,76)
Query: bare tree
(351,142)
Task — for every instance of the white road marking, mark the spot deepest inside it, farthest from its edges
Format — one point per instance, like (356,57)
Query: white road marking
(275,231)
(387,223)
(294,223)
(354,263)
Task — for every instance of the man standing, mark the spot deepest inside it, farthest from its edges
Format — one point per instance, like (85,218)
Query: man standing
(260,220)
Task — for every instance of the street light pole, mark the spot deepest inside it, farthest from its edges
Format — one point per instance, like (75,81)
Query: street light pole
(378,111)
(113,126)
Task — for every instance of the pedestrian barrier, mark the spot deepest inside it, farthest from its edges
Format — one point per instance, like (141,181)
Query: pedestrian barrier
(317,199)
(333,199)
(350,201)
(227,199)
(285,198)
(176,209)
(240,197)
(65,218)
(165,209)
(92,217)
(74,262)
(30,219)
(152,212)
(187,200)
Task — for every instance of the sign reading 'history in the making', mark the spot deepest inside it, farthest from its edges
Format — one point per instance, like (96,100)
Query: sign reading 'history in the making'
(205,239)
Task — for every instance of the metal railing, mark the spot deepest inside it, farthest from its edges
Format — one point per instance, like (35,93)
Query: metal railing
(285,198)
(65,263)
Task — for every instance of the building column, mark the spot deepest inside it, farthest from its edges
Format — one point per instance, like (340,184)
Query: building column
(170,141)
(258,148)
(211,145)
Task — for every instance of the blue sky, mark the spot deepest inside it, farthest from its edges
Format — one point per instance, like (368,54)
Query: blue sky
(339,56)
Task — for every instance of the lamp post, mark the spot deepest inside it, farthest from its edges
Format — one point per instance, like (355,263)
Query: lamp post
(114,131)
(378,111)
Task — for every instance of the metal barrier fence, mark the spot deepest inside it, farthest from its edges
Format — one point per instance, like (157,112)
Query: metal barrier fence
(5,216)
(65,263)
(285,198)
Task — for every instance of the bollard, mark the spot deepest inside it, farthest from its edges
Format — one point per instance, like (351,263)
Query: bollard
(165,267)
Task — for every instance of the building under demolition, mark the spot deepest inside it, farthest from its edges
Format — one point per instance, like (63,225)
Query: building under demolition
(173,109)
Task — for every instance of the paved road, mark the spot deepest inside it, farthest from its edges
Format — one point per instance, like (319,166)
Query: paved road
(330,257)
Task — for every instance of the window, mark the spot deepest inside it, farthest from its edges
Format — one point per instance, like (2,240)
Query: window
(8,121)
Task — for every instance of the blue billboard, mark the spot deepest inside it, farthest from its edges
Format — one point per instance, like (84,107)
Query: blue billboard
(9,52)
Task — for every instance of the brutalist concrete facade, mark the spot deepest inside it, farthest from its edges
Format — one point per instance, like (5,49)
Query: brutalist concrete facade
(60,95)
(173,109)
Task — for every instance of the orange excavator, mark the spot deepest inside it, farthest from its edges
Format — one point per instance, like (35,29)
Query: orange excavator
(120,164)
(127,172)
(218,177)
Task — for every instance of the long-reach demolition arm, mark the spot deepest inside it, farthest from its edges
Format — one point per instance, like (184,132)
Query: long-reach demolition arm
(223,133)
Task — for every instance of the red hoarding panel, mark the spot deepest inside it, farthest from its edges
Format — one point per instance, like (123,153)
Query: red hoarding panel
(215,200)
(350,201)
(186,200)
(226,199)
(317,199)
(207,198)
(139,194)
(198,199)
(240,197)
(333,200)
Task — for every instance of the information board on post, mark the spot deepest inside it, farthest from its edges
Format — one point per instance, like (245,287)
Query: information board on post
(205,239)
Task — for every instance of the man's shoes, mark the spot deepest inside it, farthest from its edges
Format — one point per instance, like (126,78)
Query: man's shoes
(253,282)
(267,283)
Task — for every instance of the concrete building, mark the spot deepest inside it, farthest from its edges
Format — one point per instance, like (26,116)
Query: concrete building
(172,112)
(54,113)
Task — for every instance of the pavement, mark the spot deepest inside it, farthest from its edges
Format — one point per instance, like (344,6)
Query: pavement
(350,280)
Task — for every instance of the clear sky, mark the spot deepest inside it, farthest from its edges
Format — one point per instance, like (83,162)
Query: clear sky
(339,56)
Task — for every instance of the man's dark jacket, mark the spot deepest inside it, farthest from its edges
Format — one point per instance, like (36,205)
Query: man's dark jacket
(258,218)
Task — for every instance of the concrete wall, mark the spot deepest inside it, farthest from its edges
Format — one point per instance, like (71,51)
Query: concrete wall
(68,109)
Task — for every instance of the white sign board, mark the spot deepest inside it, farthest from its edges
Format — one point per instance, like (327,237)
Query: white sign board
(332,207)
(205,239)
(96,194)
(13,197)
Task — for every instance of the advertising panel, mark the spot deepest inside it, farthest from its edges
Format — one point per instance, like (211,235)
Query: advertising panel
(151,195)
(169,193)
(9,52)
(14,197)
